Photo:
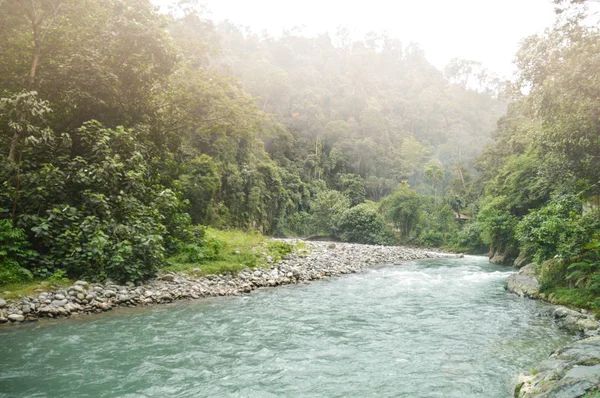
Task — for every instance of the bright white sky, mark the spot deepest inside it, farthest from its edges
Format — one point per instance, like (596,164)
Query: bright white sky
(487,31)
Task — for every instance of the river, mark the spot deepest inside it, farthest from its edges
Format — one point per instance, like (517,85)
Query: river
(430,328)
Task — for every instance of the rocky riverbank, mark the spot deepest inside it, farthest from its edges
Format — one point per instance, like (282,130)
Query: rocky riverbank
(525,284)
(572,371)
(323,259)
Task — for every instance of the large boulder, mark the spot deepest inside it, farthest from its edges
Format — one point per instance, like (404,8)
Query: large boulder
(524,283)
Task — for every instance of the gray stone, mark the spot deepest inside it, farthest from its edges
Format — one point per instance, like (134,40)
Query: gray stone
(16,318)
(2,303)
(563,312)
(570,372)
(59,296)
(524,283)
(587,324)
(81,283)
(26,309)
(109,293)
(167,277)
(59,303)
(78,288)
(91,296)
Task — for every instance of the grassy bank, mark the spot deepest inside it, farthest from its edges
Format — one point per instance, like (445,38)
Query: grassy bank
(578,298)
(220,252)
(229,252)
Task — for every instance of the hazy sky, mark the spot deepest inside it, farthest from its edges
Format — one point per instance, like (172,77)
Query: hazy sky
(483,30)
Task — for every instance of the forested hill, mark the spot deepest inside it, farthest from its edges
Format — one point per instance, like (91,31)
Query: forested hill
(371,107)
(125,132)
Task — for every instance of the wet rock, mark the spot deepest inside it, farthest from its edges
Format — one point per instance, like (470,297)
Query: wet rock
(570,372)
(524,283)
(16,318)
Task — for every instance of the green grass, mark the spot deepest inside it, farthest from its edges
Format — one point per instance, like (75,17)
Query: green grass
(229,252)
(31,288)
(592,394)
(580,298)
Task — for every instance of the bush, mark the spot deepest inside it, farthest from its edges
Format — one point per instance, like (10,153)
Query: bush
(468,239)
(547,232)
(201,251)
(362,224)
(14,251)
(278,249)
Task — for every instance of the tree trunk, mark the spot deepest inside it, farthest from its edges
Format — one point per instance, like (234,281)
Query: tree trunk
(36,57)
(13,147)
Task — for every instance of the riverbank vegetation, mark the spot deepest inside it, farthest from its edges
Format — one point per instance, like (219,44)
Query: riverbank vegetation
(126,133)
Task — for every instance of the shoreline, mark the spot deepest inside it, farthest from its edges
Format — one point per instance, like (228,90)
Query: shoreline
(324,260)
(571,371)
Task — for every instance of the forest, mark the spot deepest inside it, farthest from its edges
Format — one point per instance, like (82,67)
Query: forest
(127,134)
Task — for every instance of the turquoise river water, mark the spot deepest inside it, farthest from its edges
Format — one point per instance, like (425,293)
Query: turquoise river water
(430,328)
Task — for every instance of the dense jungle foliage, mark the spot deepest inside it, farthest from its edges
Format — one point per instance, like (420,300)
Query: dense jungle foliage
(125,132)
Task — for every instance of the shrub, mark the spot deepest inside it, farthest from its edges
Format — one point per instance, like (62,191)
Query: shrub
(468,239)
(362,224)
(14,251)
(547,232)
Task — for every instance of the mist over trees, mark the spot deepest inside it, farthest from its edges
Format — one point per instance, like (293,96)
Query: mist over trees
(125,131)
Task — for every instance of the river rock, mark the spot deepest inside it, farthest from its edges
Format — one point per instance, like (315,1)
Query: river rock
(16,318)
(59,296)
(78,288)
(575,321)
(59,303)
(26,309)
(570,372)
(2,303)
(524,283)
